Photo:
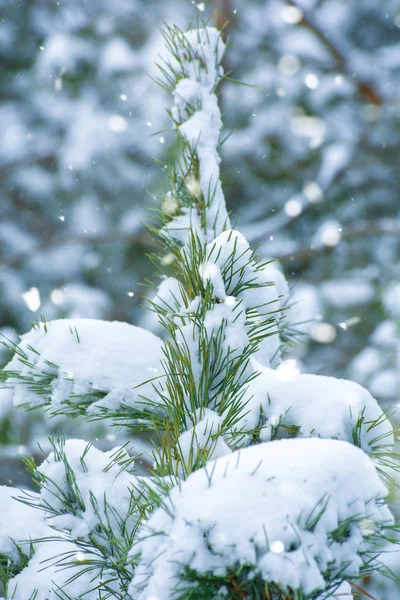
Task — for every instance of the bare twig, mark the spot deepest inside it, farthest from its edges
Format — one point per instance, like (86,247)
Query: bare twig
(361,590)
(223,13)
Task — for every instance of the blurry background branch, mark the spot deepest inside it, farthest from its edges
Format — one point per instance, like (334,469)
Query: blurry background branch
(366,230)
(365,88)
(140,238)
(223,14)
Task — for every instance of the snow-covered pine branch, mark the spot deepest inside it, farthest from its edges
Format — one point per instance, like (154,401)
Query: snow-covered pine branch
(73,538)
(72,361)
(233,510)
(222,306)
(192,73)
(298,515)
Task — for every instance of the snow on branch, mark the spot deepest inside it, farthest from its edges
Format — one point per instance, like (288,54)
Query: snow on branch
(192,73)
(78,364)
(74,535)
(298,514)
(286,403)
(281,517)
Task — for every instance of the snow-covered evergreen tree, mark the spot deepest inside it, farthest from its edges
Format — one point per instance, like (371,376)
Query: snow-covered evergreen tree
(315,147)
(266,483)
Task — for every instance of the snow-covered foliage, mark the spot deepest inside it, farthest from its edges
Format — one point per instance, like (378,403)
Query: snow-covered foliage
(231,510)
(198,118)
(285,403)
(314,154)
(285,510)
(75,531)
(73,358)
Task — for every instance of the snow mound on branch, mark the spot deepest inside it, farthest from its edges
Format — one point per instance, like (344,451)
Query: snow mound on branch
(86,493)
(101,483)
(45,572)
(169,295)
(297,512)
(198,119)
(287,404)
(82,356)
(204,434)
(51,574)
(202,63)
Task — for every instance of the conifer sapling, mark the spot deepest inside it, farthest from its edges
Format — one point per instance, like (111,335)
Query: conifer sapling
(266,483)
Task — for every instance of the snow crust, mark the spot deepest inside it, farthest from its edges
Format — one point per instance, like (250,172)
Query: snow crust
(181,225)
(85,355)
(275,507)
(97,474)
(49,574)
(286,404)
(19,522)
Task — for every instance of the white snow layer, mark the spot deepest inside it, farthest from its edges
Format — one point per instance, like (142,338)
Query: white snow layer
(82,356)
(98,474)
(105,490)
(200,53)
(278,508)
(285,403)
(19,523)
(236,277)
(343,592)
(242,286)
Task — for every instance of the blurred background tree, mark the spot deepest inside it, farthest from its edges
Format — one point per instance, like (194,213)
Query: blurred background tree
(315,155)
(312,164)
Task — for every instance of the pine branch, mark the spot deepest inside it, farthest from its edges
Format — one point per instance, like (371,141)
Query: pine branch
(202,373)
